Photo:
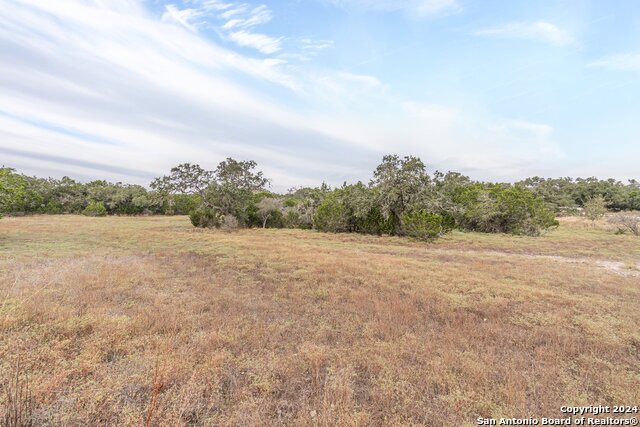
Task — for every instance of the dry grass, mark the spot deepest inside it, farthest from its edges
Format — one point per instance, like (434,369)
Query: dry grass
(147,321)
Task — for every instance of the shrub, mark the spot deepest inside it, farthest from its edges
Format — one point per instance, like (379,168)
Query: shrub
(595,208)
(53,208)
(626,222)
(499,208)
(269,208)
(95,209)
(230,223)
(291,217)
(424,225)
(520,212)
(184,204)
(18,401)
(205,218)
(332,215)
(374,222)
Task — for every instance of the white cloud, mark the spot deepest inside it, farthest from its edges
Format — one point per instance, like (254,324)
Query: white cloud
(104,89)
(620,61)
(538,31)
(237,21)
(257,16)
(214,5)
(185,17)
(261,42)
(420,8)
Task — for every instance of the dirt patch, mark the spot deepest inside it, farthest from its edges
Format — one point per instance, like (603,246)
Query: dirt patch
(617,267)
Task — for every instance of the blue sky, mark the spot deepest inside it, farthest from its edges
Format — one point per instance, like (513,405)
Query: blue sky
(319,90)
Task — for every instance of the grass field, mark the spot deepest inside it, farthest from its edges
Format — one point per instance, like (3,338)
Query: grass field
(134,321)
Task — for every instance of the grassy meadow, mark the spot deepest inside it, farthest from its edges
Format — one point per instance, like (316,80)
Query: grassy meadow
(149,321)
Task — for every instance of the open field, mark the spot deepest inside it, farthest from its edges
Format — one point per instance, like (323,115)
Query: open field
(120,321)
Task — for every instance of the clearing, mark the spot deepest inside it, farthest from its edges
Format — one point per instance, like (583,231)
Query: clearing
(127,321)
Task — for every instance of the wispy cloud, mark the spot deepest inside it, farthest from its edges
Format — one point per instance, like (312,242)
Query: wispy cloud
(107,89)
(242,18)
(188,18)
(620,61)
(313,47)
(420,8)
(237,22)
(542,31)
(234,21)
(261,42)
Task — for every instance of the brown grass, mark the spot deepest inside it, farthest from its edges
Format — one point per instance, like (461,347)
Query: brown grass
(134,321)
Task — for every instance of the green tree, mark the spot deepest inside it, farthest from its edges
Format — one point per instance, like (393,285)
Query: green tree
(501,208)
(401,183)
(332,214)
(595,208)
(268,208)
(227,191)
(12,190)
(519,211)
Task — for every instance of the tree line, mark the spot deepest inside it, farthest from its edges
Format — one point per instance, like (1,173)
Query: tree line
(401,199)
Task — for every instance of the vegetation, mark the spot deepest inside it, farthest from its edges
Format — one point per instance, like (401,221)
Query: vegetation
(626,222)
(12,190)
(595,208)
(402,199)
(567,195)
(95,209)
(128,321)
(17,401)
(227,191)
(425,225)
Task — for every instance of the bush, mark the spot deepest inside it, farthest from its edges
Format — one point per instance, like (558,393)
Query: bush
(53,208)
(230,223)
(520,212)
(184,204)
(332,215)
(205,218)
(374,222)
(595,208)
(626,222)
(95,209)
(424,225)
(499,208)
(291,218)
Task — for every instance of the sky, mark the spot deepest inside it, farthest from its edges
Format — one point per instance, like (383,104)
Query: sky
(320,90)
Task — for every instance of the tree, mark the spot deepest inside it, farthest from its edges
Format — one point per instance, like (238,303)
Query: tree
(401,183)
(332,215)
(267,207)
(558,193)
(12,190)
(595,208)
(240,174)
(68,194)
(185,179)
(231,193)
(518,211)
(302,204)
(352,208)
(226,191)
(501,208)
